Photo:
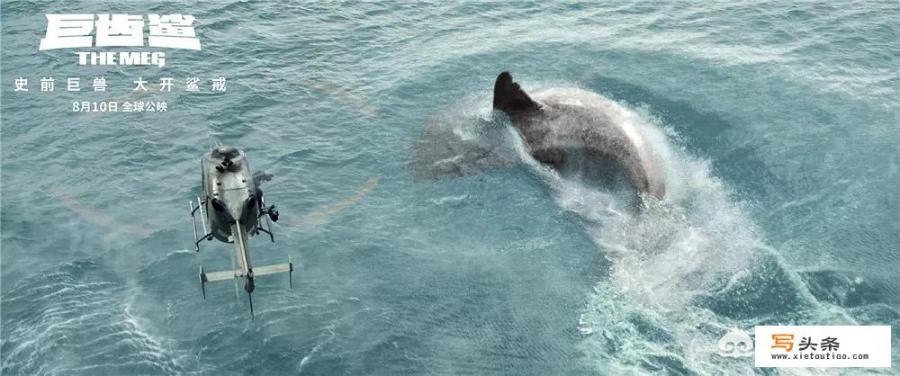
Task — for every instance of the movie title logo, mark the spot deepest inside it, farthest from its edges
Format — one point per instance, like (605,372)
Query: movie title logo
(120,30)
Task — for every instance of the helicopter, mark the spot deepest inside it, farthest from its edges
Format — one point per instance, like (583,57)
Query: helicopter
(232,210)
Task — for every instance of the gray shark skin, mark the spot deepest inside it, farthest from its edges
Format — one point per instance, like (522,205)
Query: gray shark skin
(565,128)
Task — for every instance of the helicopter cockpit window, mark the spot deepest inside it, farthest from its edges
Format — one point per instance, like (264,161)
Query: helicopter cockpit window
(226,152)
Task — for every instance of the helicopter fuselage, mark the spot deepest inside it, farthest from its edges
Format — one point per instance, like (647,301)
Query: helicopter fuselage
(231,193)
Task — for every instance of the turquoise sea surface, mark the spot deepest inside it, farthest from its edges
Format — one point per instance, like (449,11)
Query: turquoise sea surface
(776,123)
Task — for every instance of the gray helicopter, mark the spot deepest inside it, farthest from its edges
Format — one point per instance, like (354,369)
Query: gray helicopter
(232,209)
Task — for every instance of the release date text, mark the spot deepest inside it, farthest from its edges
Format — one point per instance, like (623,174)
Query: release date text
(117,106)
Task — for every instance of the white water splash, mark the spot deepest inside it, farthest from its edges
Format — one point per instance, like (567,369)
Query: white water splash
(688,244)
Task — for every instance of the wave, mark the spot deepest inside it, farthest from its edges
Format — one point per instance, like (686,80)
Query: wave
(685,271)
(78,320)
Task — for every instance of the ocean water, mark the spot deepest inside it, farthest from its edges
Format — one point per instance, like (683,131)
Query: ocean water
(777,124)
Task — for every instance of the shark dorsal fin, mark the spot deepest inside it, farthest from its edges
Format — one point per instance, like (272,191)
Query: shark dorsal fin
(510,98)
